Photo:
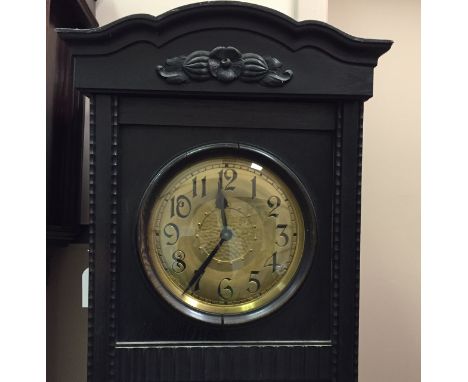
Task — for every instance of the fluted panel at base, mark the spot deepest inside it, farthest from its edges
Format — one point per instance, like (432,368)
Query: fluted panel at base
(237,363)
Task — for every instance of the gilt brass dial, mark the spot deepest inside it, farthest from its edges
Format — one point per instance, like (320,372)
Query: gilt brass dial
(223,237)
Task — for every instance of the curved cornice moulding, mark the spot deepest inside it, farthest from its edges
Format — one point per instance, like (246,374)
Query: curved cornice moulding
(162,29)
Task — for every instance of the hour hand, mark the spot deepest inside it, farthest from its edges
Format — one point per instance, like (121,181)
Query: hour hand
(221,203)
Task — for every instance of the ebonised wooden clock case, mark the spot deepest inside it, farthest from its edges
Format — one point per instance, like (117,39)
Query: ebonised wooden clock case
(149,104)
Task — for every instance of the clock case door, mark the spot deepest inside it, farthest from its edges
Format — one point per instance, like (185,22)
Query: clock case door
(140,121)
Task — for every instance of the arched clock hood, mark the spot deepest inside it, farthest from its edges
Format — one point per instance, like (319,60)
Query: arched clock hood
(126,54)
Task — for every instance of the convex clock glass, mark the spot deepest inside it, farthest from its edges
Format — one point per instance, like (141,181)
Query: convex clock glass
(222,237)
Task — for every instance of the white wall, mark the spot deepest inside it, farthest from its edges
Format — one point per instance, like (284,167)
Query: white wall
(110,10)
(390,244)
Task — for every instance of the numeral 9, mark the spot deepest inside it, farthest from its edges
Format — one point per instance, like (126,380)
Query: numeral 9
(175,232)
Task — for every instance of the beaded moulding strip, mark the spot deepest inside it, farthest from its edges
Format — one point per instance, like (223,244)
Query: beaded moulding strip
(114,236)
(92,227)
(336,240)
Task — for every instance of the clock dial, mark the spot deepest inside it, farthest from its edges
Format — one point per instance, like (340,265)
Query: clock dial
(224,236)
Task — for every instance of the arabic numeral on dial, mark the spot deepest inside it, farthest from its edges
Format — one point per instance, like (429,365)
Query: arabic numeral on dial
(195,188)
(273,264)
(180,206)
(254,283)
(225,291)
(178,265)
(254,187)
(230,175)
(273,202)
(171,231)
(284,236)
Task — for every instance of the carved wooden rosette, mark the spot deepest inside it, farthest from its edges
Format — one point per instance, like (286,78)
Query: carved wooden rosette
(225,64)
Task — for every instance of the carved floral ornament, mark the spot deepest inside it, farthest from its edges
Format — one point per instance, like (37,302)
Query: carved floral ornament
(225,64)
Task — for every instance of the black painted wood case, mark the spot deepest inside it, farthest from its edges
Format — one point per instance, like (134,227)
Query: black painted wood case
(148,105)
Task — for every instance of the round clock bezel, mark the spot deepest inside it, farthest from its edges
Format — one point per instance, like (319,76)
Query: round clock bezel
(248,152)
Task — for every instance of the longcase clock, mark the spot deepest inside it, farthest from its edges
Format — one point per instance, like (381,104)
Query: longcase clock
(225,168)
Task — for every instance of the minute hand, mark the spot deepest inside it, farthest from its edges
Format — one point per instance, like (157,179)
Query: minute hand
(203,266)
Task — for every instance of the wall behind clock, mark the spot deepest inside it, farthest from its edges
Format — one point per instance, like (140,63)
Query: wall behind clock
(390,234)
(110,10)
(390,242)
